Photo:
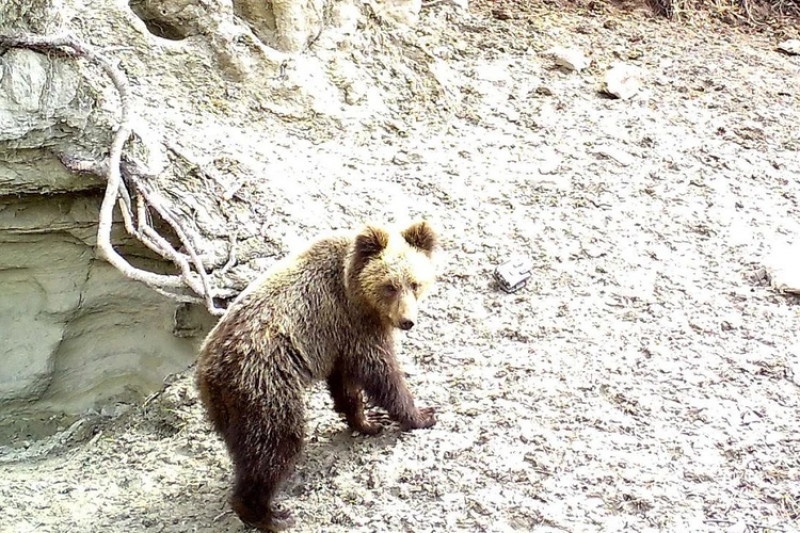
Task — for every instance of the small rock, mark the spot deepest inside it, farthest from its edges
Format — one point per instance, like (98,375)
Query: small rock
(622,81)
(460,4)
(569,58)
(514,273)
(623,158)
(401,12)
(401,158)
(781,268)
(793,368)
(502,13)
(354,93)
(114,411)
(512,115)
(550,165)
(791,47)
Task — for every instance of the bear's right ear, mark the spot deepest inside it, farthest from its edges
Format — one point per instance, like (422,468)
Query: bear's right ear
(370,242)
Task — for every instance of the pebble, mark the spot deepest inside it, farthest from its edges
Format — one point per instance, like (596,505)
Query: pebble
(622,81)
(791,47)
(623,158)
(569,58)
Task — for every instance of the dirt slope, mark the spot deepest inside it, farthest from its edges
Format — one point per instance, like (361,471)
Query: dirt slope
(646,378)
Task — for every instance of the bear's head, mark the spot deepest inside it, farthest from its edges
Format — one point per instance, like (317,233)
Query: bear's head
(390,272)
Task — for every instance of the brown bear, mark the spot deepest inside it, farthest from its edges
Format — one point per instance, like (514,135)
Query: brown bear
(328,313)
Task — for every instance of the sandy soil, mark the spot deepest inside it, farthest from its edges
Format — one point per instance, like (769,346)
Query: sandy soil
(646,379)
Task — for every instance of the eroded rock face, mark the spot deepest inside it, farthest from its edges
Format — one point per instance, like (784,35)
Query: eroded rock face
(286,25)
(282,25)
(75,333)
(43,102)
(172,19)
(403,12)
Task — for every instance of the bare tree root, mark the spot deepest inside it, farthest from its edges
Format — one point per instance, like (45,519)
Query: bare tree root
(136,223)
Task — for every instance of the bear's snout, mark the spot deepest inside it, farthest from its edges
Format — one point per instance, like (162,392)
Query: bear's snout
(406,324)
(405,311)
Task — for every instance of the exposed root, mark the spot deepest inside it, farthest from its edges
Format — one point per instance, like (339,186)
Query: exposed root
(117,193)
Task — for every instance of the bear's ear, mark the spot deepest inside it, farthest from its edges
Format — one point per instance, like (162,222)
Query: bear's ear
(420,235)
(370,242)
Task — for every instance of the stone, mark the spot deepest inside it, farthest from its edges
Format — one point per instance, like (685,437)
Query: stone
(782,268)
(35,171)
(550,164)
(790,46)
(99,337)
(615,154)
(401,12)
(622,81)
(569,58)
(41,97)
(296,22)
(793,366)
(738,527)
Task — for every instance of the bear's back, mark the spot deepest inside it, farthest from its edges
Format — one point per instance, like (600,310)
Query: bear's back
(299,305)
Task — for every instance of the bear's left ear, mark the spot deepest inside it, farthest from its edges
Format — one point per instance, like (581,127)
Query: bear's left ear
(420,235)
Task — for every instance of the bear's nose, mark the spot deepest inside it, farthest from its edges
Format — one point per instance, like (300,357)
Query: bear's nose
(406,324)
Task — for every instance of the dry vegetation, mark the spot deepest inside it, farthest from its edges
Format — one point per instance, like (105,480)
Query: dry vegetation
(744,11)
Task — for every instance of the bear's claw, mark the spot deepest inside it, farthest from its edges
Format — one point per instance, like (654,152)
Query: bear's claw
(426,417)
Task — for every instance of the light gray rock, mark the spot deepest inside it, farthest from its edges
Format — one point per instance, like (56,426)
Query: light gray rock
(285,25)
(38,171)
(790,46)
(782,268)
(622,81)
(43,101)
(615,154)
(569,58)
(403,12)
(76,333)
(46,107)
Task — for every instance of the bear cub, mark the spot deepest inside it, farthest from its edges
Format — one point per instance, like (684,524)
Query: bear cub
(329,313)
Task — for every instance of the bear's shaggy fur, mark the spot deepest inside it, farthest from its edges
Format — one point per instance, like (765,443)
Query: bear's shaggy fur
(329,313)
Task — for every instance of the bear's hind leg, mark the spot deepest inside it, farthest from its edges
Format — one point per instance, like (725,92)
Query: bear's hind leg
(264,457)
(252,502)
(349,401)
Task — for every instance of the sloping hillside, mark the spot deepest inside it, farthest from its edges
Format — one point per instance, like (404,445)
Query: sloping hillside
(647,377)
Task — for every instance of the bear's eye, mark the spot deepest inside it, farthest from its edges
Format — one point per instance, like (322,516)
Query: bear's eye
(389,289)
(414,286)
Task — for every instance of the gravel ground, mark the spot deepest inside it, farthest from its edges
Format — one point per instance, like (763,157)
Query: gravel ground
(647,377)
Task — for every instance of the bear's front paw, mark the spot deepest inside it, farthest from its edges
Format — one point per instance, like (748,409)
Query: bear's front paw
(370,423)
(369,427)
(426,417)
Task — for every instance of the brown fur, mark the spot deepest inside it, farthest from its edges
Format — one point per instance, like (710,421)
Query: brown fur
(330,313)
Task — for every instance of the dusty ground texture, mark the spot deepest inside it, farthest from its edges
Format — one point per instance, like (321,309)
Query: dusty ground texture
(647,378)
